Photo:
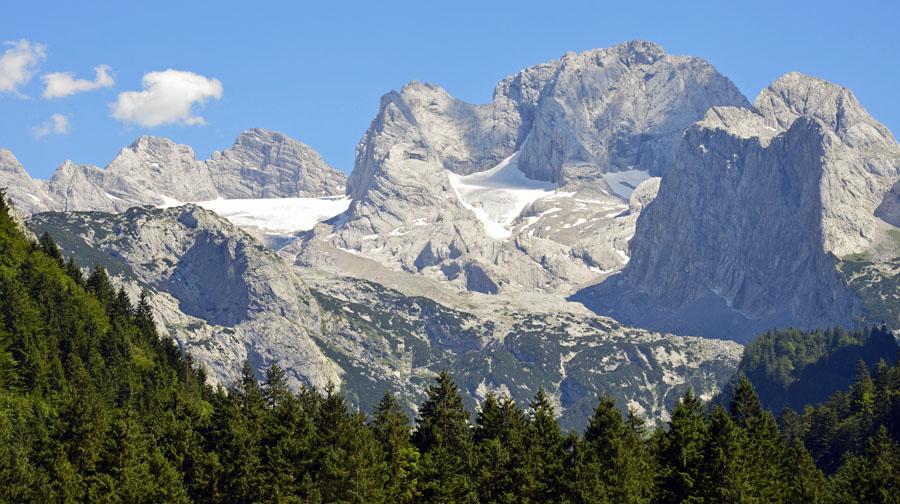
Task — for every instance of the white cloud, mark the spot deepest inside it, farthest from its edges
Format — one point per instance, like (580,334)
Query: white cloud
(58,124)
(168,97)
(61,84)
(18,64)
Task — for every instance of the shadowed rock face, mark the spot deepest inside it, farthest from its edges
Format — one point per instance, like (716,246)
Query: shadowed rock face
(209,281)
(889,210)
(749,221)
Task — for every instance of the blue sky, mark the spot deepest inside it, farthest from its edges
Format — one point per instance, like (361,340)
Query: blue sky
(316,70)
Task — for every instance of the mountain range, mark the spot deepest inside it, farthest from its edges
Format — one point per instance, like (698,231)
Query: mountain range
(607,223)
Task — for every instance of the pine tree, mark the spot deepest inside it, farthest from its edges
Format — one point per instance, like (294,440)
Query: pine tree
(873,478)
(682,452)
(287,439)
(392,431)
(239,424)
(49,247)
(863,392)
(763,448)
(725,479)
(444,440)
(8,376)
(500,445)
(642,466)
(74,271)
(98,283)
(611,464)
(542,481)
(347,456)
(805,482)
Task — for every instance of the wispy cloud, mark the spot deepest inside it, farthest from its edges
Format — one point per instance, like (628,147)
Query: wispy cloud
(58,124)
(168,97)
(60,84)
(18,64)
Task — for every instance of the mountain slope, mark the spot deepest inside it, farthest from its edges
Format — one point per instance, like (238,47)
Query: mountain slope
(225,297)
(751,220)
(221,294)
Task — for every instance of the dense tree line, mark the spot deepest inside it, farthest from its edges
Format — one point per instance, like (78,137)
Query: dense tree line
(95,407)
(793,368)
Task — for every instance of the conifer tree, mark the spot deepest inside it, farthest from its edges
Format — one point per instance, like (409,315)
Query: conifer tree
(444,439)
(499,436)
(763,450)
(392,431)
(863,392)
(542,481)
(287,439)
(50,248)
(804,481)
(611,465)
(724,477)
(682,454)
(873,478)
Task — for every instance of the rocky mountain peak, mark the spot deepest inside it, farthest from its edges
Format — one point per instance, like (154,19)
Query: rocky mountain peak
(26,195)
(268,164)
(632,52)
(617,109)
(10,164)
(438,182)
(155,148)
(796,95)
(157,171)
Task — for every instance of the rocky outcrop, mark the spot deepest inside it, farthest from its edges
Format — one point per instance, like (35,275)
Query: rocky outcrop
(863,159)
(889,209)
(26,195)
(267,164)
(746,229)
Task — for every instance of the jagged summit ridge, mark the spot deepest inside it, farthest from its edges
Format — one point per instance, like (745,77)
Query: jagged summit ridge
(156,171)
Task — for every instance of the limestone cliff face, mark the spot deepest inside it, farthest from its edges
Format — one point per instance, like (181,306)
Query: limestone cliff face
(889,209)
(619,108)
(267,164)
(752,216)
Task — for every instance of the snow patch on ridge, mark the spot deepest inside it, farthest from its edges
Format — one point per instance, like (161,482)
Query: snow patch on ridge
(277,215)
(497,196)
